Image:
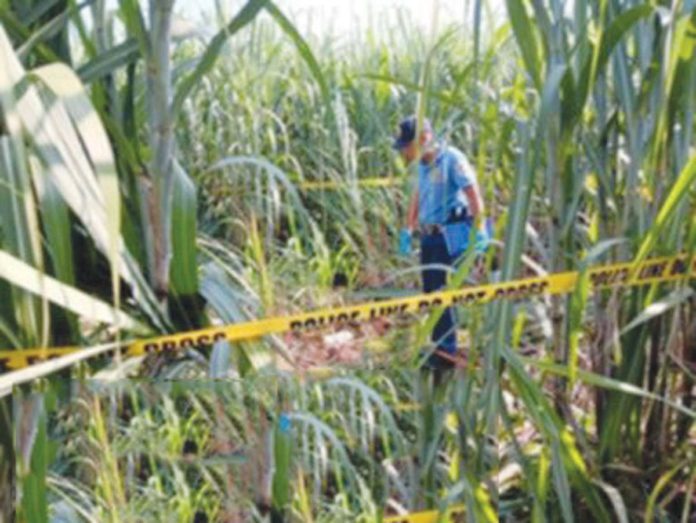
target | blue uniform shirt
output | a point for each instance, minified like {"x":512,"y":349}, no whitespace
{"x":440,"y":185}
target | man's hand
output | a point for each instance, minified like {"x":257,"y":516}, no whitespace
{"x":483,"y":237}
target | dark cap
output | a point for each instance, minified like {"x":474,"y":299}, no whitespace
{"x":406,"y":131}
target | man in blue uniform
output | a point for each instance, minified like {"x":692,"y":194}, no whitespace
{"x":446,"y":192}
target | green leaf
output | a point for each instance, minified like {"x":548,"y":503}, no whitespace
{"x":685,"y":181}
{"x":34,"y":500}
{"x":19,"y":30}
{"x":282,"y":452}
{"x":50,"y":28}
{"x":56,"y":223}
{"x":444,"y":97}
{"x":374,"y":397}
{"x":220,"y":360}
{"x":525,"y":34}
{"x":70,"y":140}
{"x":305,"y":51}
{"x":184,"y":265}
{"x":604,"y":382}
{"x":659,"y":307}
{"x":63,"y":82}
{"x":662,"y":483}
{"x":275,"y":175}
{"x":577,"y":304}
{"x":616,"y":499}
{"x":135,"y":23}
{"x":597,"y":251}
{"x":560,"y":481}
{"x":210,"y":55}
{"x":23,"y":276}
{"x":20,"y":234}
{"x":110,"y":61}
{"x":610,"y":38}
{"x":683,"y":40}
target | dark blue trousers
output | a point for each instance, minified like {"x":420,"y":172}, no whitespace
{"x":434,"y":251}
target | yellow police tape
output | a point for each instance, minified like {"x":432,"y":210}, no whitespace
{"x":365,"y":182}
{"x":431,"y":516}
{"x":616,"y":275}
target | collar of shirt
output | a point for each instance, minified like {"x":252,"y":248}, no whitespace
{"x":440,"y":150}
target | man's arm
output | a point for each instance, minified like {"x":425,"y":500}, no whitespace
{"x":476,"y":207}
{"x":412,"y":215}
{"x":465,"y":179}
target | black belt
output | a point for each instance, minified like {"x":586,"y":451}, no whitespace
{"x":458,"y":215}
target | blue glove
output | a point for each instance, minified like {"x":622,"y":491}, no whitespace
{"x":483,"y":238}
{"x":482,"y":242}
{"x":404,"y":242}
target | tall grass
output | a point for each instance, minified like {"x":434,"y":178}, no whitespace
{"x":362,"y":446}
{"x":614,"y":164}
{"x":7,"y":461}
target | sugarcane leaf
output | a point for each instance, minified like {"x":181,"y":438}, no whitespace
{"x":106,"y":63}
{"x":302,"y":47}
{"x":274,"y":173}
{"x":660,"y":307}
{"x":189,"y":83}
{"x":34,"y":505}
{"x":610,"y":38}
{"x":526,"y":38}
{"x":325,"y":431}
{"x":56,"y":223}
{"x":184,"y":265}
{"x":63,"y":82}
{"x":605,"y":382}
{"x":597,"y":251}
{"x":444,"y":97}
{"x":135,"y":23}
{"x":19,"y":30}
{"x":23,"y":276}
{"x":224,"y":297}
{"x":282,"y":459}
{"x":20,"y":234}
{"x":683,"y":184}
{"x":220,"y":360}
{"x":561,"y":482}
{"x":616,"y":499}
{"x":51,"y":27}
{"x":70,"y":141}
